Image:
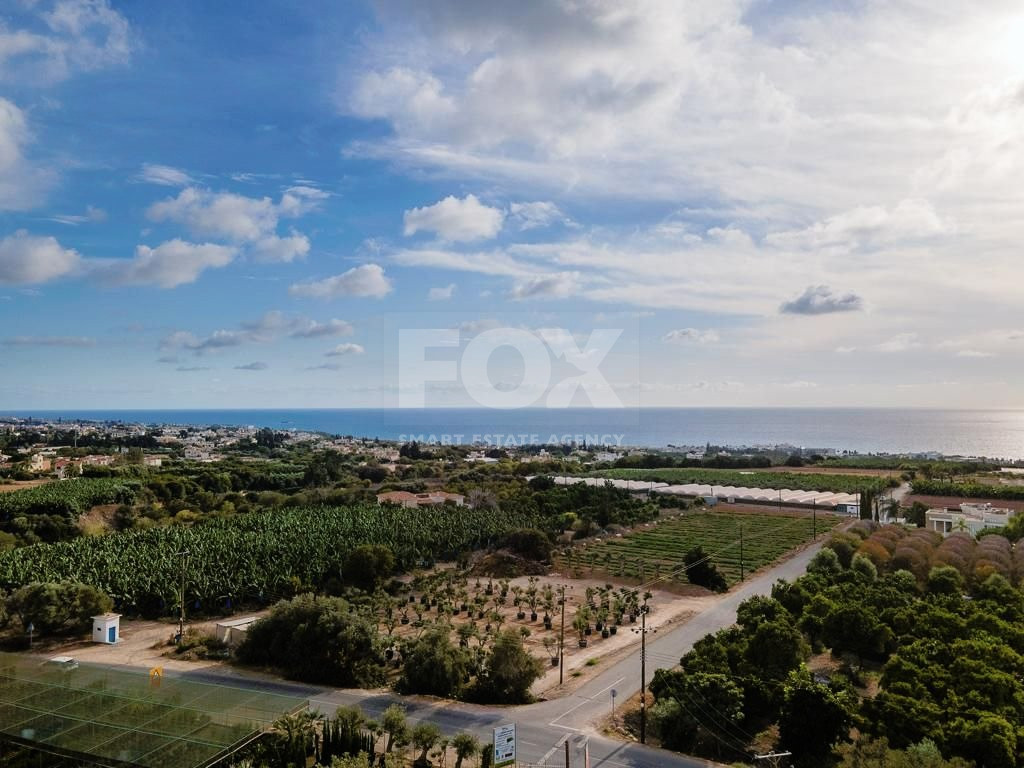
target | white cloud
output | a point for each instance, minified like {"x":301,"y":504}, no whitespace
{"x":257,"y":366}
{"x":441,"y":293}
{"x":73,"y":35}
{"x":537,"y":214}
{"x":401,"y":95}
{"x":220,"y":215}
{"x":28,"y":260}
{"x":343,"y":350}
{"x":691,"y":336}
{"x":247,"y":221}
{"x":280,"y":249}
{"x":366,"y":280}
{"x":455,"y":219}
{"x":169,"y":265}
{"x":164,"y":175}
{"x":300,"y":200}
{"x":21,"y":185}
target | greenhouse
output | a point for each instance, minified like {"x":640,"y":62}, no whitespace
{"x":120,"y":717}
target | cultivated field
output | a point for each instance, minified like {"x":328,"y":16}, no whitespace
{"x":657,"y":549}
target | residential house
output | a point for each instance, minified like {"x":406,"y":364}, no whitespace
{"x":970,"y":518}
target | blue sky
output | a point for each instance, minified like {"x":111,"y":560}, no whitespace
{"x":776,"y":203}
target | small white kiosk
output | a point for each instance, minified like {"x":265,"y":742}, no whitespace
{"x":106,"y":628}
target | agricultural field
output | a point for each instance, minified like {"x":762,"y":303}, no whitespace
{"x":656,"y":550}
{"x":794,"y":481}
{"x":256,"y":557}
{"x":66,"y":498}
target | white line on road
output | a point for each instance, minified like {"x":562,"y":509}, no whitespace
{"x":550,"y":752}
{"x":605,"y":689}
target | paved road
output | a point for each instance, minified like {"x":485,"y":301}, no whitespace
{"x":544,"y":726}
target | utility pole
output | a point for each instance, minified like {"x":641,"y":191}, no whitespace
{"x":643,"y":673}
{"x":561,"y":658}
{"x":814,"y":518}
{"x":181,"y":617}
{"x":566,"y":752}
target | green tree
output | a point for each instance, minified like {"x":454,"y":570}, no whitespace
{"x":318,"y":640}
{"x":698,"y":712}
{"x":945,"y":580}
{"x":61,"y":606}
{"x":814,"y":717}
{"x":510,"y":670}
{"x":702,"y":571}
{"x":368,"y":565}
{"x":465,"y":746}
{"x":424,"y":736}
{"x":394,"y":724}
{"x":434,"y":666}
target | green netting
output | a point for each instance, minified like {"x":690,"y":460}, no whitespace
{"x":120,"y":717}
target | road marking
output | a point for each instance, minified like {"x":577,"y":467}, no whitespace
{"x":606,"y":688}
{"x":571,"y":709}
{"x":550,"y":752}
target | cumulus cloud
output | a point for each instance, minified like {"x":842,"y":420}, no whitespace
{"x":455,"y":219}
{"x":819,"y":300}
{"x":49,"y":341}
{"x":344,"y":350}
{"x":29,"y":260}
{"x":244,"y":221}
{"x":555,"y":286}
{"x":366,"y":280}
{"x":690,"y":336}
{"x":164,"y":175}
{"x":170,"y":264}
{"x":441,"y":293}
{"x":257,"y":366}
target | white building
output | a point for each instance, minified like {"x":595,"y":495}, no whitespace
{"x":971,"y":518}
{"x":106,"y":628}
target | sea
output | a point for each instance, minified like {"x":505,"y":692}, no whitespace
{"x":997,"y":434}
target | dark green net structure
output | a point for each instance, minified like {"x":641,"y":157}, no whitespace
{"x":124,"y":717}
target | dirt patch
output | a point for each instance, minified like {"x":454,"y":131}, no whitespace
{"x":21,"y":485}
{"x":98,"y":519}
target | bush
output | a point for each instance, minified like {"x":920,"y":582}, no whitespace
{"x":317,"y":640}
{"x":509,"y":672}
{"x":55,"y":607}
{"x":434,"y":666}
{"x":530,"y":543}
{"x":702,"y":571}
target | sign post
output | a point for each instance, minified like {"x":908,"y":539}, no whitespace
{"x":504,"y":745}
